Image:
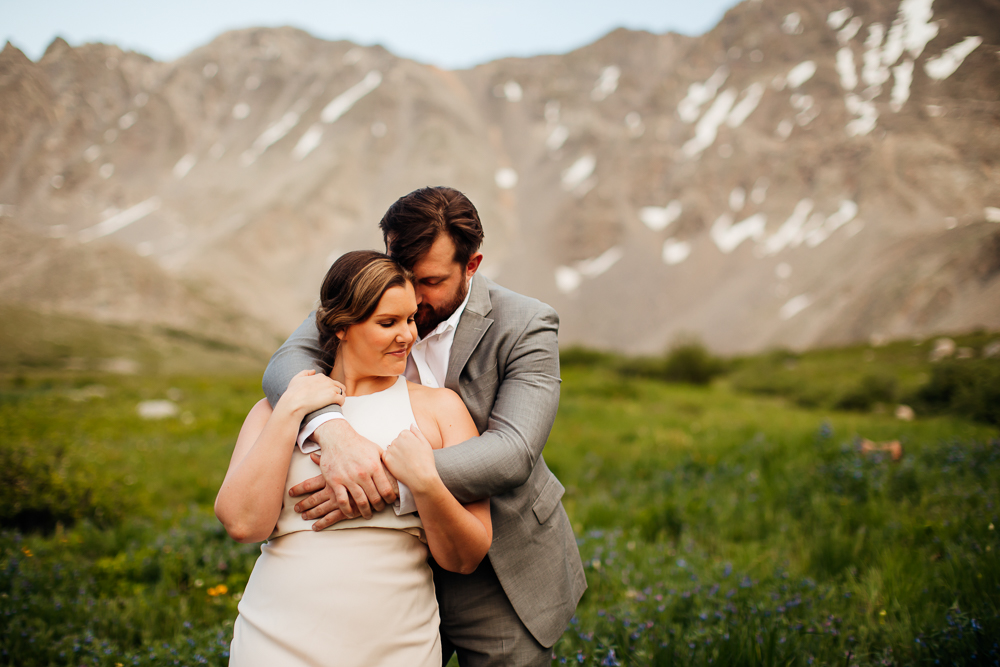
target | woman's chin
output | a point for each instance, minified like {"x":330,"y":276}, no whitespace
{"x":395,"y":367}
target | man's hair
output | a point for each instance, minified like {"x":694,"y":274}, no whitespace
{"x":351,"y":291}
{"x":413,"y":223}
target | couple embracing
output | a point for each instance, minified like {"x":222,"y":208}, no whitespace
{"x":408,"y":416}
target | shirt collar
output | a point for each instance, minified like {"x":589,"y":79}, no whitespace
{"x":453,"y":319}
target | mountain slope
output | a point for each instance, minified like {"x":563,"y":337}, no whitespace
{"x":809,"y":172}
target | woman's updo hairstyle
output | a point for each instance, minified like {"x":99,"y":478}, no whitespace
{"x":351,"y":291}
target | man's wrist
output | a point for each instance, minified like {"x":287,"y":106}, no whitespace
{"x":405,"y":504}
{"x":303,"y":440}
{"x":331,"y":421}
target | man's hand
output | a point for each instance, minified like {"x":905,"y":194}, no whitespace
{"x":353,"y":470}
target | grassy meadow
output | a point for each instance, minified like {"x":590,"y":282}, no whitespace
{"x":732,"y":522}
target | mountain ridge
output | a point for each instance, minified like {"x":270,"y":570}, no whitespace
{"x":777,"y":181}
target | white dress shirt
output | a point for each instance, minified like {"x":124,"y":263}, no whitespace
{"x":427,"y":364}
{"x":428,"y":360}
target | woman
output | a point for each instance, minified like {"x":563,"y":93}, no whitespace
{"x":360,"y":592}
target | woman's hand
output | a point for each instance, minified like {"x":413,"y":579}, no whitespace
{"x":410,"y":459}
{"x":309,"y":391}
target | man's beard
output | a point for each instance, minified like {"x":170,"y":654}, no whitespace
{"x":427,"y":317}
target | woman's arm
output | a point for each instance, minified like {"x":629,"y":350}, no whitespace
{"x":249,"y":502}
{"x":459,"y":536}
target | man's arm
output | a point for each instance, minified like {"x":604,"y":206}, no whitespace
{"x":299,"y":353}
{"x":503,"y":457}
{"x":351,"y":465}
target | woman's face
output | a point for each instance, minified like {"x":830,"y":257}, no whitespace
{"x":379,"y":345}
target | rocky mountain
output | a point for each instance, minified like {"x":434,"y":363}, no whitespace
{"x":809,"y":172}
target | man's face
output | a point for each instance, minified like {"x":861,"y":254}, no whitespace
{"x":442,"y":283}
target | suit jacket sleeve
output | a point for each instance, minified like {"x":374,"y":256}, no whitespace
{"x":299,"y":353}
{"x":502,"y":458}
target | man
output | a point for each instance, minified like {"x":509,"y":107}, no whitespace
{"x":499,"y":351}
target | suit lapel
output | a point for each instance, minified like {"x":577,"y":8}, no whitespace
{"x":471,"y":328}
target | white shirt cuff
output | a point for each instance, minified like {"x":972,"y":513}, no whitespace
{"x":307,"y":430}
{"x":405,"y":503}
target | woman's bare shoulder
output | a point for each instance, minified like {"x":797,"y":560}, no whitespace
{"x":446,"y":409}
{"x":260,"y":411}
{"x":255,"y":421}
{"x":262,"y":406}
{"x":434,"y":399}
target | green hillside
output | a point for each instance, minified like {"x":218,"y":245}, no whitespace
{"x":734,"y":522}
{"x":32,"y":342}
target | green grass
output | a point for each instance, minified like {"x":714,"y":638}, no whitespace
{"x":708,"y":518}
{"x":719,"y":524}
{"x":125,"y":563}
{"x":32,"y":342}
{"x":855,"y":377}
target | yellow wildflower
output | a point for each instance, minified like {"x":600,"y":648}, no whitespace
{"x":221,"y":589}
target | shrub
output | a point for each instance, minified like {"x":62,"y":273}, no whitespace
{"x":980,"y":398}
{"x":39,"y":489}
{"x":870,"y":390}
{"x":691,"y":363}
{"x":769,"y":374}
{"x":583,"y":357}
{"x":643,"y":367}
{"x":969,"y":388}
{"x":688,"y":363}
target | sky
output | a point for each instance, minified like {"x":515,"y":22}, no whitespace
{"x":451,"y":34}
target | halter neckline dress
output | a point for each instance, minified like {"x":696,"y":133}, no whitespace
{"x":358,"y":593}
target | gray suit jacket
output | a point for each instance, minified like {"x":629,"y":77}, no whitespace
{"x":505,"y":365}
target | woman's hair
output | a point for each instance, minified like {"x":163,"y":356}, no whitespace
{"x":351,"y":291}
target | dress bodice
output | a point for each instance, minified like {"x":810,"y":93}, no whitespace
{"x":380,"y":417}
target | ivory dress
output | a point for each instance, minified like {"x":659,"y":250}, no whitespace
{"x":358,"y":593}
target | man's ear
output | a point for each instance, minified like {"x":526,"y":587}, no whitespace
{"x":473,"y":265}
